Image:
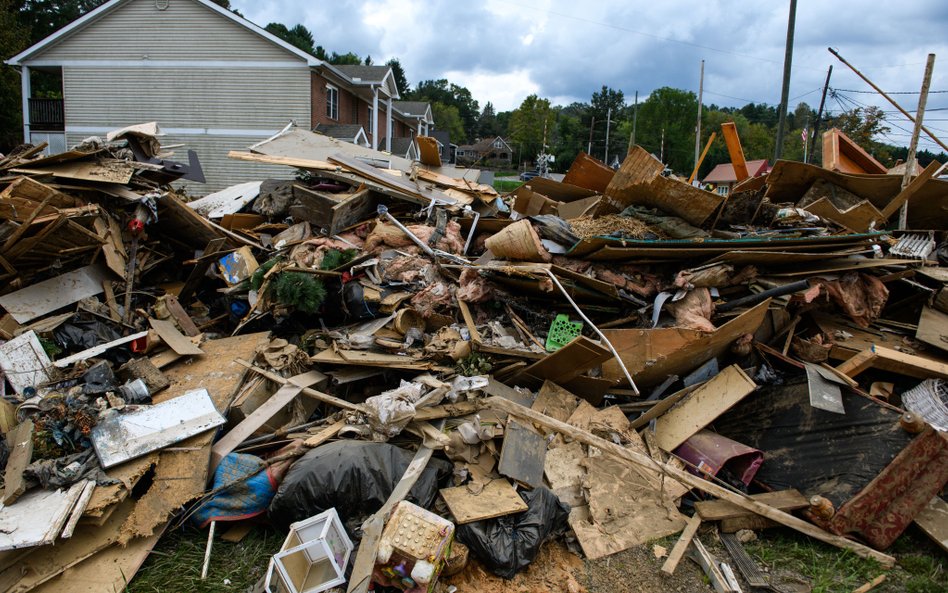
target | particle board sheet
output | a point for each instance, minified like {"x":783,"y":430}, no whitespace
{"x":181,"y":475}
{"x":567,"y":363}
{"x":700,"y":407}
{"x":933,"y":328}
{"x":564,"y":472}
{"x":125,"y":436}
{"x":651,"y":355}
{"x":555,"y":402}
{"x":522,"y":454}
{"x":933,"y":520}
{"x":49,"y":295}
{"x":468,"y":503}
{"x":589,"y":173}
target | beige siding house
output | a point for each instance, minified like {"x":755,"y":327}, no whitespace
{"x":213,"y":81}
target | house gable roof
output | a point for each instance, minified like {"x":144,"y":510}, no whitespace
{"x":486,"y":144}
{"x":415,"y":109}
{"x":370,"y":75}
{"x":105,"y":9}
{"x":350,"y":132}
{"x":724,"y":173}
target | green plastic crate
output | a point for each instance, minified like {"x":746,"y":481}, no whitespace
{"x":562,"y":332}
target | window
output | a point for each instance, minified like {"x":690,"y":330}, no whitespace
{"x":498,"y":143}
{"x":723,"y":190}
{"x":332,"y":102}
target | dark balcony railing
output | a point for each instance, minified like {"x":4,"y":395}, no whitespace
{"x":47,"y":115}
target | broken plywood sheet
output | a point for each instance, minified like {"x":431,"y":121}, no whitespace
{"x":24,"y":362}
{"x":181,"y":475}
{"x":45,"y":297}
{"x":175,"y":340}
{"x":651,"y":355}
{"x":497,"y":499}
{"x":640,"y":182}
{"x":589,"y":173}
{"x":522,"y":454}
{"x":38,"y":517}
{"x":566,"y":364}
{"x":105,"y":498}
{"x":555,"y":402}
{"x":700,"y":407}
{"x":623,"y":510}
{"x":933,"y":328}
{"x":564,"y":472}
{"x":125,"y":436}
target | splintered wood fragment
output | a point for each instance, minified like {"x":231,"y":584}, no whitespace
{"x":325,"y":434}
{"x":871,"y":584}
{"x":689,"y":479}
{"x":323,"y":397}
{"x":893,"y":361}
{"x":679,"y":550}
{"x":180,"y":315}
{"x":933,"y":520}
{"x":175,"y":340}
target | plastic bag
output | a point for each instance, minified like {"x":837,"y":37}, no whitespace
{"x":355,"y":478}
{"x":507,"y":545}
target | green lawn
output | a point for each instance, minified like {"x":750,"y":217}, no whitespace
{"x":507,"y":186}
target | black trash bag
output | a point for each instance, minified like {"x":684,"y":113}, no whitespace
{"x":355,"y":478}
{"x":507,"y":545}
{"x":81,"y":334}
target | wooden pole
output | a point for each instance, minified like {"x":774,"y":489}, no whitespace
{"x":689,"y":479}
{"x":913,"y":145}
{"x":704,"y":153}
{"x":819,"y":113}
{"x":698,"y":125}
{"x":887,"y":98}
{"x":785,"y":92}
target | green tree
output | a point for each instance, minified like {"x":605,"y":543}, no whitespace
{"x":530,"y":124}
{"x":298,"y":36}
{"x":447,"y":117}
{"x":401,"y":81}
{"x":346,"y":59}
{"x":14,"y":37}
{"x":442,"y":91}
{"x":670,"y":114}
{"x":487,"y":124}
{"x":609,"y":109}
{"x":568,"y":140}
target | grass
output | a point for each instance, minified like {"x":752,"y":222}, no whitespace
{"x":920,"y":565}
{"x":506,"y":186}
{"x":175,"y":563}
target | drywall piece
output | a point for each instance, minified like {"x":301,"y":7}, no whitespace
{"x":175,"y":340}
{"x":825,"y":393}
{"x":700,"y":407}
{"x":933,"y":520}
{"x":497,"y":499}
{"x":45,"y":297}
{"x":282,"y":398}
{"x":38,"y":517}
{"x":227,"y":201}
{"x":522,"y":454}
{"x":24,"y":362}
{"x":20,"y":447}
{"x":126,"y":436}
{"x":97,"y":350}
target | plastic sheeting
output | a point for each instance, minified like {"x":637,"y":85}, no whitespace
{"x":355,"y":478}
{"x":507,"y":545}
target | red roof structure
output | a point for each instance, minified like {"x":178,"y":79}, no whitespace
{"x":724,"y":173}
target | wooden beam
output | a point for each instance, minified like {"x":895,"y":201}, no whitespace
{"x":690,"y":480}
{"x":681,"y":545}
{"x":911,"y":189}
{"x":733,"y":141}
{"x":893,"y":361}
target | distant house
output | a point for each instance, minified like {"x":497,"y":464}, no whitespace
{"x":724,"y":179}
{"x":489,"y":151}
{"x":415,"y":115}
{"x":212,"y":80}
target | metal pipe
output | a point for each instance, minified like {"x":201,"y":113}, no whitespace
{"x":763,"y":296}
{"x":383,"y":211}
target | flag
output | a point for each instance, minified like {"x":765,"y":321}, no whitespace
{"x":803,"y":135}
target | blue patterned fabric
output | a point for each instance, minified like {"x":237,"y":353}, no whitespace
{"x":244,"y":498}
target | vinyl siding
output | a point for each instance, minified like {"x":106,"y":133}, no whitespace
{"x":245,"y":99}
{"x":186,"y":30}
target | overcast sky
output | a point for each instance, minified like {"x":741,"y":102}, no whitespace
{"x":563,"y":50}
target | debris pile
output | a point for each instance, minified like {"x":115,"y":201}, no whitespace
{"x":392,"y":355}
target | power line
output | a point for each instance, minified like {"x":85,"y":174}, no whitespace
{"x":865,"y":92}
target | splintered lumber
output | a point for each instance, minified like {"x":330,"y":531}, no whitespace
{"x":690,"y":480}
{"x":20,"y":445}
{"x":681,"y":545}
{"x":893,"y":361}
{"x":170,"y":335}
{"x":711,"y":568}
{"x":319,"y":395}
{"x":719,"y":510}
{"x":497,"y":499}
{"x":733,"y":142}
{"x":282,"y":398}
{"x":911,"y":189}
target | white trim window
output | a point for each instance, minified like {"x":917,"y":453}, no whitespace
{"x":332,"y":102}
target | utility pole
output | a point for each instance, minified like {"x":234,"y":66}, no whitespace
{"x":698,"y":126}
{"x":635,"y":117}
{"x":806,"y":140}
{"x":661,"y":148}
{"x":785,"y":93}
{"x":589,"y":148}
{"x":605,"y":157}
{"x":819,"y":114}
{"x":913,"y":145}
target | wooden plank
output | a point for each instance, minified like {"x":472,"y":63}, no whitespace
{"x":249,"y":425}
{"x":170,"y":335}
{"x":733,"y":142}
{"x":893,"y":361}
{"x":567,"y":363}
{"x":390,"y":181}
{"x":840,"y":153}
{"x":105,"y":172}
{"x":428,"y":151}
{"x":700,"y":407}
{"x":933,"y":520}
{"x":323,"y":397}
{"x":522,"y":454}
{"x":97,"y":350}
{"x":79,"y":509}
{"x":110,"y":233}
{"x":497,"y":499}
{"x":671,"y":563}
{"x":282,"y":160}
{"x":683,"y":476}
{"x":45,"y":297}
{"x":181,"y":316}
{"x":719,"y":510}
{"x":711,"y":568}
{"x":325,"y":434}
{"x":20,"y":445}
